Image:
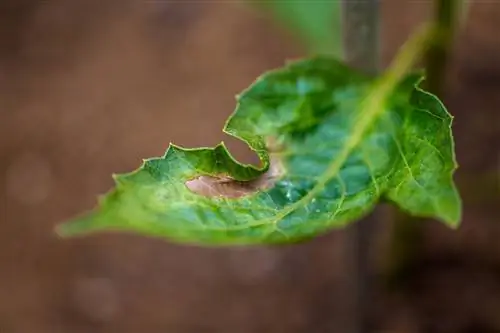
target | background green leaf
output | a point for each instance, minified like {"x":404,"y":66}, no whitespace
{"x":332,"y":144}
{"x":317,"y":22}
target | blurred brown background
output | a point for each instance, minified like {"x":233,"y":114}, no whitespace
{"x":89,"y":87}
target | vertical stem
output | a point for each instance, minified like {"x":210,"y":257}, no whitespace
{"x":408,"y":233}
{"x":361,"y":40}
{"x":361,"y":34}
{"x":446,"y":15}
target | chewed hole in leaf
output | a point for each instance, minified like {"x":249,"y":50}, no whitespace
{"x":357,"y":141}
{"x":225,"y":186}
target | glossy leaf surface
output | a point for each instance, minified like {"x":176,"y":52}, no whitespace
{"x":328,"y":154}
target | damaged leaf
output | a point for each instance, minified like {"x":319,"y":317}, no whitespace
{"x":332,"y":143}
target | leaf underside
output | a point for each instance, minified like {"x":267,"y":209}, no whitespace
{"x":326,"y":160}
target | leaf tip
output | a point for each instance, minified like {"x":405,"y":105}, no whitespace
{"x":172,"y":150}
{"x":454,"y":220}
{"x":221,"y":145}
{"x":117,"y":178}
{"x":454,"y":224}
{"x":453,"y":215}
{"x":79,"y":226}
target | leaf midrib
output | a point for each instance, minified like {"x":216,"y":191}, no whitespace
{"x":371,"y":108}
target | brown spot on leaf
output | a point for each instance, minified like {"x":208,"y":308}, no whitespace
{"x":225,"y":186}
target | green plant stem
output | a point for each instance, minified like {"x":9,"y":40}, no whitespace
{"x":447,"y":16}
{"x":362,"y":49}
{"x":408,"y":231}
{"x":361,"y":36}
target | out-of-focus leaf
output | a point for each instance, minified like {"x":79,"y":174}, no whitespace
{"x":317,"y":22}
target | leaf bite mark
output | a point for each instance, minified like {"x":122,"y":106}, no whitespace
{"x":227,"y":187}
{"x":236,"y":204}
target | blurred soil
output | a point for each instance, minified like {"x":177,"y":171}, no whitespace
{"x":89,"y":87}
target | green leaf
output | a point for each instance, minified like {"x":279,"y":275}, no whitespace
{"x":317,"y":22}
{"x":332,"y":142}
